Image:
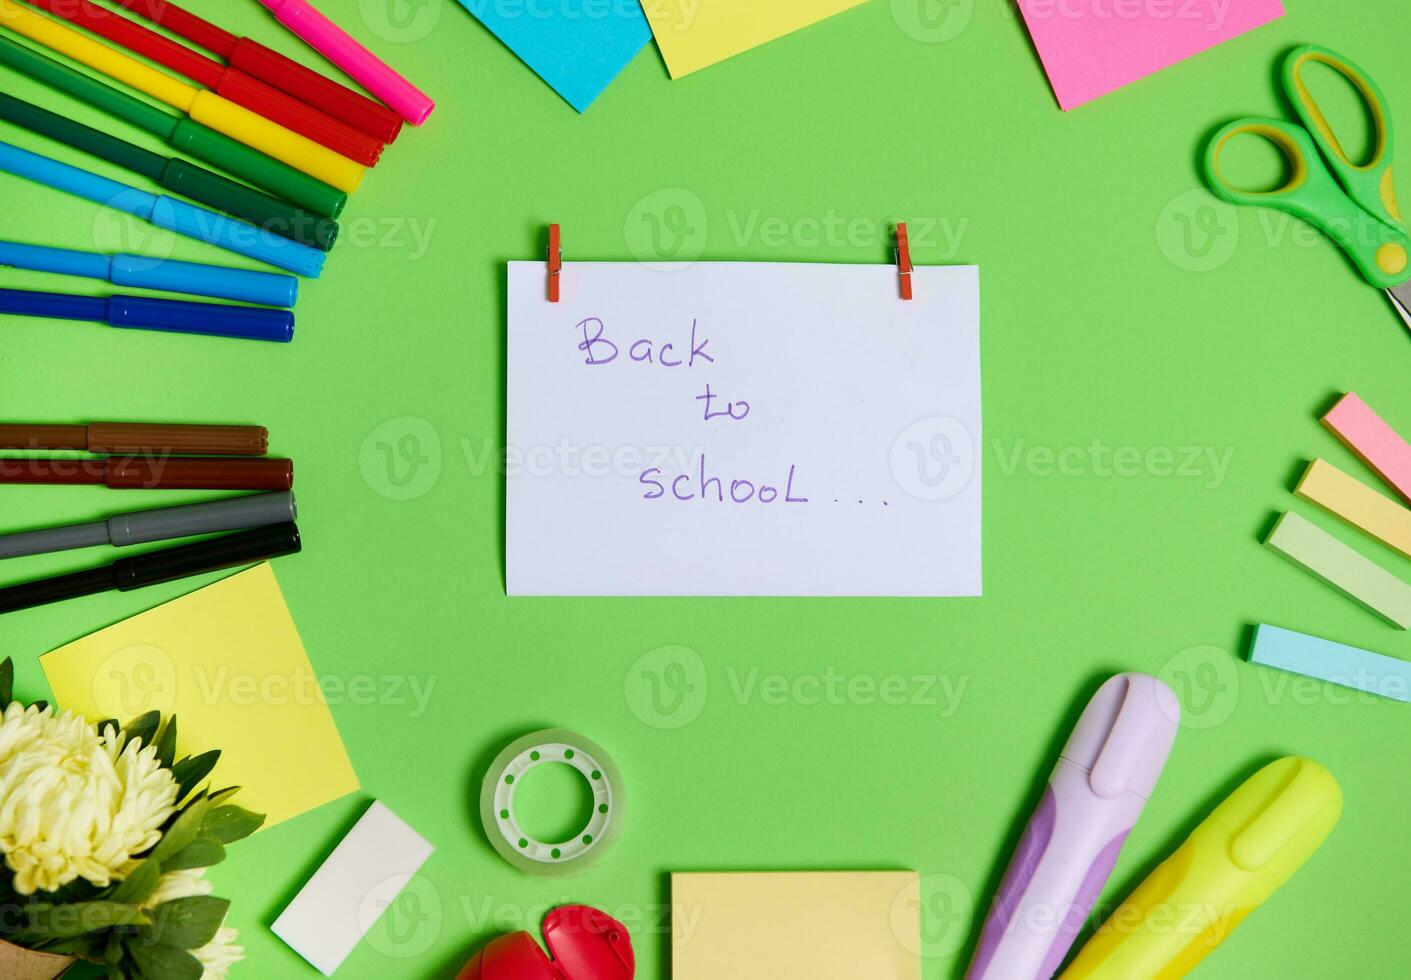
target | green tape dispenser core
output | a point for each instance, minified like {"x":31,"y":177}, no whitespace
{"x":585,"y":848}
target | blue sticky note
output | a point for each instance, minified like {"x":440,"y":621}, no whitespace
{"x":578,"y":48}
{"x":1335,"y":663}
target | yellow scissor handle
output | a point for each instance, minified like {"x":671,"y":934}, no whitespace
{"x":1370,"y":184}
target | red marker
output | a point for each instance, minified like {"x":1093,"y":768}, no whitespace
{"x":273,"y":68}
{"x":151,"y":472}
{"x":230,"y":83}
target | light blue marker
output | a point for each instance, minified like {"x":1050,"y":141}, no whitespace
{"x":192,"y":278}
{"x":165,"y":212}
{"x":1335,"y":663}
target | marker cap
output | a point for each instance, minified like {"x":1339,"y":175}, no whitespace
{"x":241,"y":285}
{"x":208,"y":319}
{"x":188,"y":473}
{"x":1125,"y":735}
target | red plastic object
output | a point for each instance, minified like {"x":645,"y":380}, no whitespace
{"x":229,"y":83}
{"x":586,"y":945}
{"x":904,"y":266}
{"x":254,"y":59}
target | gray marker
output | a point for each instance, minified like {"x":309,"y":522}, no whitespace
{"x":235,"y":514}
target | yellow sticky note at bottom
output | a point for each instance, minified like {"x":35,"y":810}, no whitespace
{"x":228,"y":662}
{"x":819,"y":925}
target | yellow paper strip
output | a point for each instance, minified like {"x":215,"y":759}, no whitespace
{"x":1352,"y":500}
{"x":696,"y":35}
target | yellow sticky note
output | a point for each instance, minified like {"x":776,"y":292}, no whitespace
{"x":228,"y":662}
{"x":695,"y":35}
{"x":819,"y":925}
{"x":1352,"y":500}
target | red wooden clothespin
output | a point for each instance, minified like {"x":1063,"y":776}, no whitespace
{"x":903,"y":254}
{"x":555,"y":263}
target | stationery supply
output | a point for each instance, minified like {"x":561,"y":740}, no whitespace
{"x":1248,"y":847}
{"x":199,"y":657}
{"x":151,"y":472}
{"x":1328,"y":559}
{"x":156,"y":567}
{"x":1091,"y":47}
{"x":1335,"y":663}
{"x":819,"y":925}
{"x":1373,"y":441}
{"x":586,"y":945}
{"x":229,"y":83}
{"x":347,"y":894}
{"x":201,"y":105}
{"x":695,"y":36}
{"x":339,"y":47}
{"x":743,"y":429}
{"x":1357,"y":504}
{"x":165,"y":212}
{"x":183,"y":134}
{"x":162,"y":524}
{"x":193,"y":278}
{"x":273,"y":68}
{"x":177,"y":175}
{"x":1103,"y":780}
{"x":506,"y":774}
{"x":577,"y":56}
{"x":145,"y":438}
{"x":1354,"y":204}
{"x":170,"y":315}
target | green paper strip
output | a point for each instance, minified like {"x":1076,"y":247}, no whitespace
{"x":1326,"y":558}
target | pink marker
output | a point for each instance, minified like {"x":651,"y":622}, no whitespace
{"x":1098,"y":790}
{"x":1375,"y":443}
{"x":334,"y":43}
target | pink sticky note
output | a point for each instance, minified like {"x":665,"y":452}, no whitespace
{"x":1375,"y":443}
{"x":1092,"y":47}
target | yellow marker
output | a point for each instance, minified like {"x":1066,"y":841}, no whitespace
{"x":202,"y":106}
{"x":1352,"y":500}
{"x":1230,"y":865}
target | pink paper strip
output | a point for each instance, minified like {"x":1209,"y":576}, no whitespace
{"x":1375,"y":443}
{"x":1091,"y":47}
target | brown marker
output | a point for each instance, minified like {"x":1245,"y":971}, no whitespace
{"x":117,"y":438}
{"x":152,"y":472}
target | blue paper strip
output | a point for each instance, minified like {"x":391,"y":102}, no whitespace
{"x":1335,"y":663}
{"x":577,"y":46}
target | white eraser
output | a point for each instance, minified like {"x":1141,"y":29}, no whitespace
{"x":363,"y":875}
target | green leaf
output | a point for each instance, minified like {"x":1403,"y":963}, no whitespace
{"x":138,"y":885}
{"x":200,"y":853}
{"x":66,"y":921}
{"x":181,"y":833}
{"x":166,"y":743}
{"x":164,"y":962}
{"x":189,"y":772}
{"x":229,"y":824}
{"x":223,"y":795}
{"x":186,"y":923}
{"x":142,"y":727}
{"x":7,"y":682}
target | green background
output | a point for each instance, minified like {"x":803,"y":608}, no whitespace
{"x":1122,"y":308}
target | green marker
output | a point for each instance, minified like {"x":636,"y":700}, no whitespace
{"x":178,"y":175}
{"x":181,"y":133}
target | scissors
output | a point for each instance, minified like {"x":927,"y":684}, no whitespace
{"x":1353,"y":204}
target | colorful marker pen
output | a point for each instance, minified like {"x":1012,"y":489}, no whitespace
{"x":1097,"y":792}
{"x":165,"y":212}
{"x":1230,"y":865}
{"x":194,"y":278}
{"x":335,"y":44}
{"x":154,"y":472}
{"x":167,"y":315}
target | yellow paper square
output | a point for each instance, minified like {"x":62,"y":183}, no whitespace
{"x":819,"y":925}
{"x":228,"y":662}
{"x":694,"y":34}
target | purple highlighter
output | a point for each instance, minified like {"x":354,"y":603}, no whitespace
{"x":1103,"y":779}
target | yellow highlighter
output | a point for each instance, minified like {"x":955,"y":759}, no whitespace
{"x":1230,"y":865}
{"x":203,"y":106}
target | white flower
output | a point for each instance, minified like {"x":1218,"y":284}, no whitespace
{"x":220,"y":954}
{"x":178,"y":884}
{"x":71,"y":804}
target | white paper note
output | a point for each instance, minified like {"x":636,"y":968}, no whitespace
{"x":743,"y":429}
{"x":350,"y":891}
